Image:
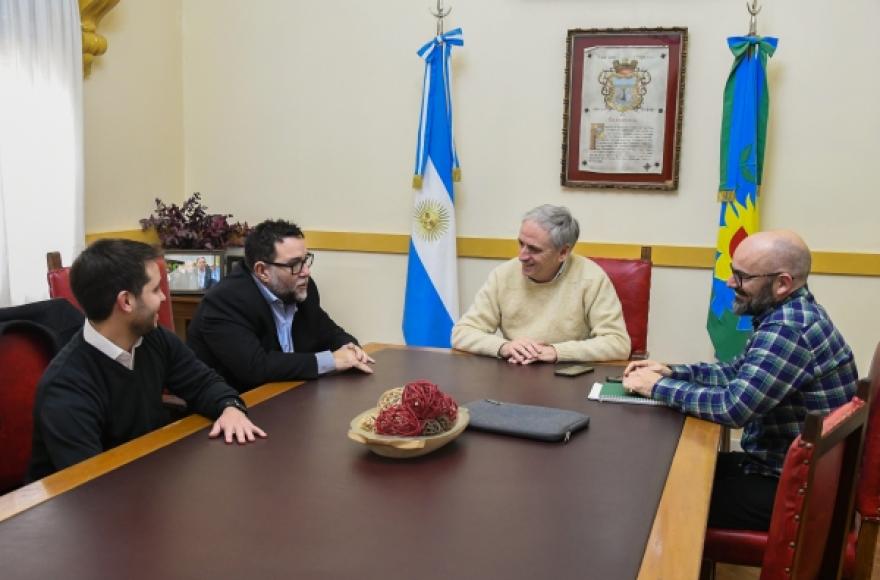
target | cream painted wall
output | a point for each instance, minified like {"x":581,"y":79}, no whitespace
{"x":133,"y":104}
{"x":307,"y":110}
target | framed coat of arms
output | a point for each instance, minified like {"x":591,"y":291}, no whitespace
{"x":622,"y":109}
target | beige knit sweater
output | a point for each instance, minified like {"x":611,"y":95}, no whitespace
{"x":577,"y":312}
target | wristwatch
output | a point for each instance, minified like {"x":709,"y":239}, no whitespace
{"x":233,"y":402}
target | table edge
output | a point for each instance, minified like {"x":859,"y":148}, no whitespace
{"x":669,"y":552}
{"x":37,"y":492}
{"x":62,"y":481}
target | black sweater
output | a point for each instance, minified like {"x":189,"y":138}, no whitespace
{"x":87,"y":403}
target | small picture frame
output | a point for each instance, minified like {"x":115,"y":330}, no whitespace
{"x":234,"y":258}
{"x":194,"y":271}
{"x":622,"y":108}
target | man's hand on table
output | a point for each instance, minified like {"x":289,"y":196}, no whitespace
{"x":525,"y":351}
{"x":648,"y":365}
{"x":352,"y":356}
{"x":641,"y":381}
{"x":640,"y":376}
{"x":234,"y":424}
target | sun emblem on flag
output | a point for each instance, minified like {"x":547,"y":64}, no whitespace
{"x":432,"y":220}
{"x":740,"y":221}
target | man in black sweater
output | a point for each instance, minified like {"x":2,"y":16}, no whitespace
{"x":105,"y":386}
{"x":265,"y":323}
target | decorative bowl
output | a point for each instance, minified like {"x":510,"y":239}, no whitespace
{"x":399,"y":447}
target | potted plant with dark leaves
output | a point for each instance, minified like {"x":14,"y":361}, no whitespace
{"x":192,"y":227}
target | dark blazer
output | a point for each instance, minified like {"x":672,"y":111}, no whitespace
{"x":209,"y":278}
{"x":61,"y":319}
{"x":233,"y":331}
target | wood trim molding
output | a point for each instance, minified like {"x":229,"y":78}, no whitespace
{"x":93,"y":44}
{"x":663,"y":256}
{"x":148,"y":237}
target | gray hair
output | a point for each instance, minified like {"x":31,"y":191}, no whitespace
{"x":557,"y":221}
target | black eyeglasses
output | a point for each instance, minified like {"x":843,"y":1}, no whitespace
{"x":297,"y":265}
{"x":739,"y":276}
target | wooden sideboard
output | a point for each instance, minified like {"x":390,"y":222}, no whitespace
{"x":183,"y":308}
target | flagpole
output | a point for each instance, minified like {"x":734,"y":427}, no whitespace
{"x":440,"y":14}
{"x":753,"y":16}
{"x":753,"y":23}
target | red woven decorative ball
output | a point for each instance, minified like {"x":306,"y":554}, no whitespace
{"x":423,"y":409}
{"x":398,"y":420}
{"x":421,"y":397}
{"x":447,"y":407}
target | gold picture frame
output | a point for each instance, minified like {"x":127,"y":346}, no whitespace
{"x":622,"y":107}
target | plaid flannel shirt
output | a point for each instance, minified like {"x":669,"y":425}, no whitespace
{"x":796,"y":361}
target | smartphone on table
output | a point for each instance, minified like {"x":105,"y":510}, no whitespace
{"x":572,"y":370}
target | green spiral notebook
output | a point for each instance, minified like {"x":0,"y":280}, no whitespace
{"x":613,"y":392}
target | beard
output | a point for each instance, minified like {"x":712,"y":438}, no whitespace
{"x":758,"y":304}
{"x":145,"y":322}
{"x":287,"y":294}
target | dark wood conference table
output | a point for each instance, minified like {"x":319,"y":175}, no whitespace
{"x":626,"y":498}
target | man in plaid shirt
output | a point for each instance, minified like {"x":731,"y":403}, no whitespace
{"x":795,"y":362}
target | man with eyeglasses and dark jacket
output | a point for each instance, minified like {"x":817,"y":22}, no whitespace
{"x":264,"y":322}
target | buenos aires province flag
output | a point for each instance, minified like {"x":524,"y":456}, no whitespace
{"x":431,"y":301}
{"x":743,"y":137}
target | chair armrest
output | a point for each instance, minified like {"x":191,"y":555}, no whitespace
{"x":175,"y":406}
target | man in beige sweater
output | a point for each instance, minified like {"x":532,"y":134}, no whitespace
{"x":549,"y":304}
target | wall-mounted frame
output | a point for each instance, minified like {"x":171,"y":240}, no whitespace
{"x":622,"y":110}
{"x":193,"y":271}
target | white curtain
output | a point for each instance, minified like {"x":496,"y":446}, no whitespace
{"x":41,"y":142}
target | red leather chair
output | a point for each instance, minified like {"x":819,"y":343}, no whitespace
{"x":25,"y":351}
{"x":58,"y":277}
{"x":632,"y":281}
{"x":813,"y":506}
{"x":859,"y":562}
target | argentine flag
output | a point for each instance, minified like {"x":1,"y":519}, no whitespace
{"x":431,"y":302}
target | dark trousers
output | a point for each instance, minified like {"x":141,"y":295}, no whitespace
{"x":740,"y":501}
